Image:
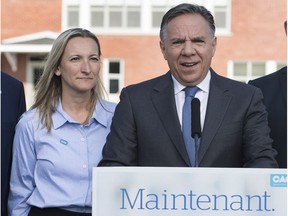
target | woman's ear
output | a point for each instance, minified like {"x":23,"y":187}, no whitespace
{"x":58,"y":72}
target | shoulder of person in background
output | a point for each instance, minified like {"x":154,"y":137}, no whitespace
{"x":12,"y":97}
{"x":13,"y":105}
{"x":279,"y":73}
{"x":272,"y":84}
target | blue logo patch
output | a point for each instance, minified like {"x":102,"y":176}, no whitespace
{"x":278,"y":180}
{"x":64,"y":142}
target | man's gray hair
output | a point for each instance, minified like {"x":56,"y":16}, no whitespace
{"x":186,"y":8}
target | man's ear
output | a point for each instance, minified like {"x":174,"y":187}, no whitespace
{"x":162,"y":47}
{"x":214,"y":44}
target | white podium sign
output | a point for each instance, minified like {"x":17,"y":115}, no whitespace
{"x":165,"y":191}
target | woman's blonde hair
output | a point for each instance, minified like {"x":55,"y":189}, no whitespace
{"x":48,"y":90}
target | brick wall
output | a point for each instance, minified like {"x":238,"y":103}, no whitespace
{"x":257,"y":34}
{"x":20,"y":17}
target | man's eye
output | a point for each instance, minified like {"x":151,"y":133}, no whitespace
{"x":199,"y":41}
{"x":176,"y":42}
{"x":95,"y":59}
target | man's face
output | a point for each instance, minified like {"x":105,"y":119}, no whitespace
{"x":188,"y":47}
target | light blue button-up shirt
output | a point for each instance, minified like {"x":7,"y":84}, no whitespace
{"x":55,"y":169}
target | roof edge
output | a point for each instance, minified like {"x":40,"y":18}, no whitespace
{"x":30,"y":37}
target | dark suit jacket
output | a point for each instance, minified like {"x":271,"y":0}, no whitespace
{"x":12,"y":106}
{"x":274,"y":88}
{"x":146,"y":131}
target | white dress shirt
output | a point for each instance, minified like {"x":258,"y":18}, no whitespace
{"x":202,"y":95}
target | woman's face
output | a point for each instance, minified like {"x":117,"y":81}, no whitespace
{"x":80,"y":66}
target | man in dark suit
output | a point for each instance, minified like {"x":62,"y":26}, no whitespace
{"x":12,"y":106}
{"x":274,"y":88}
{"x":146,"y":128}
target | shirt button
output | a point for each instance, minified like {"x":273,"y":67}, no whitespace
{"x":84,"y":166}
{"x":82,"y":139}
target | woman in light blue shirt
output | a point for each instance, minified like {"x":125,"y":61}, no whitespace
{"x":60,"y":139}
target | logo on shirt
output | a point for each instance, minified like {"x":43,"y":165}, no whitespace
{"x":64,"y":142}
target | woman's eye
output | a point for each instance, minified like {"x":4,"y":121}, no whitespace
{"x":75,"y":59}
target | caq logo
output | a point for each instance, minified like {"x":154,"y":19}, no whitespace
{"x":278,"y":180}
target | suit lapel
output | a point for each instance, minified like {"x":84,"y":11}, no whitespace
{"x":218,"y":102}
{"x":283,"y":84}
{"x":164,"y":102}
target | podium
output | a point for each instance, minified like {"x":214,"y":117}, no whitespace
{"x":167,"y":191}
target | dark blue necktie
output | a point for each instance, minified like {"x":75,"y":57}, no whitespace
{"x":186,"y":123}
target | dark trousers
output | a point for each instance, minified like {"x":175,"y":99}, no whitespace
{"x":54,"y":212}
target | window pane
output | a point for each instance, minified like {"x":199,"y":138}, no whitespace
{"x":114,"y":67}
{"x":157,"y":14}
{"x":73,"y":16}
{"x":113,"y":86}
{"x":281,"y":65}
{"x":115,"y":16}
{"x":97,"y":17}
{"x":133,"y":19}
{"x":258,"y":69}
{"x":37,"y":74}
{"x":240,"y":69}
{"x":220,"y":18}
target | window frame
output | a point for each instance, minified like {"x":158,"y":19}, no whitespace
{"x":270,"y":67}
{"x":145,"y":15}
{"x":107,"y":76}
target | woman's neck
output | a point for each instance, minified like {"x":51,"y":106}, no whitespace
{"x":77,"y":107}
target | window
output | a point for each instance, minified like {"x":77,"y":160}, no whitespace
{"x":220,"y":16}
{"x":240,"y":69}
{"x":115,"y":16}
{"x":157,"y":14}
{"x":245,"y":71}
{"x":97,"y":16}
{"x":248,"y":70}
{"x":73,"y":16}
{"x":113,"y":86}
{"x":134,"y":16}
{"x":37,"y":63}
{"x":34,"y":71}
{"x":114,"y":67}
{"x":281,"y":65}
{"x":221,"y":11}
{"x":113,"y":77}
{"x":37,"y":72}
{"x":258,"y":69}
{"x":114,"y":72}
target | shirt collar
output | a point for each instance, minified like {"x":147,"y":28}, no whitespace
{"x":60,"y":117}
{"x":100,"y":114}
{"x":203,"y":85}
